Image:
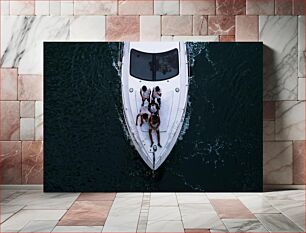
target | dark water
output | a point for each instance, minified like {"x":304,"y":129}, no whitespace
{"x":86,"y":144}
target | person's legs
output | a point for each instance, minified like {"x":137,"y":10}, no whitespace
{"x":151,"y":137}
{"x":158,"y":138}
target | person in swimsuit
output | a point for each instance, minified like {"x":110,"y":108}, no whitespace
{"x":154,"y":108}
{"x":154,"y":125}
{"x":156,"y":94}
{"x":143,"y":114}
{"x":145,"y":94}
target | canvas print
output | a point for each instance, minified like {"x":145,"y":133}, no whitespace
{"x":144,"y":116}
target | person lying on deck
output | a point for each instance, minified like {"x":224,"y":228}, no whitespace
{"x":144,"y":115}
{"x":154,"y":125}
{"x":145,"y":94}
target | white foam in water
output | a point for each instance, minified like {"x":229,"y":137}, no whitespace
{"x":115,"y":55}
{"x":185,"y":126}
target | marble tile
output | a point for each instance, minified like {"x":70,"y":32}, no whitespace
{"x":32,"y":162}
{"x":167,"y":7}
{"x":36,"y":199}
{"x":22,"y":7}
{"x":74,"y":229}
{"x":221,"y":25}
{"x":163,"y":199}
{"x":95,"y":7}
{"x":257,"y":205}
{"x":286,"y":204}
{"x":165,"y":213}
{"x":86,"y":213}
{"x":27,"y":109}
{"x":269,"y":130}
{"x":27,"y":129}
{"x":9,"y":195}
{"x":135,"y":7}
{"x":247,"y":28}
{"x":301,"y":88}
{"x":277,"y":223}
{"x":5,"y":194}
{"x":298,"y":7}
{"x":123,"y":217}
{"x":97,"y":197}
{"x":9,"y":120}
{"x":279,"y":35}
{"x":130,"y":195}
{"x":220,"y":195}
{"x":189,"y":208}
{"x":17,"y":41}
{"x":231,"y":209}
{"x":301,"y":64}
{"x":294,"y":210}
{"x":200,"y":25}
{"x":39,"y":226}
{"x":10,"y":161}
{"x":248,"y":194}
{"x":269,"y":110}
{"x":195,"y":38}
{"x":20,"y":219}
{"x":205,"y":217}
{"x":283,"y":7}
{"x":30,"y":87}
{"x":260,"y":7}
{"x":39,"y":120}
{"x":227,"y":38}
{"x":238,"y":225}
{"x":9,"y":210}
{"x":5,"y":7}
{"x":230,"y":7}
{"x":67,"y":7}
{"x":294,"y":195}
{"x":165,"y":226}
{"x":190,"y":198}
{"x":290,"y":120}
{"x":8,"y":87}
{"x":42,"y":7}
{"x":55,"y":8}
{"x":299,"y":162}
{"x":297,"y":216}
{"x":203,"y":7}
{"x":121,"y":28}
{"x":301,"y":47}
{"x":177,"y":25}
{"x":150,"y":28}
{"x":87,"y":28}
{"x":277,"y":160}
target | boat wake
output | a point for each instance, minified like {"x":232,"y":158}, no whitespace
{"x":116,"y":55}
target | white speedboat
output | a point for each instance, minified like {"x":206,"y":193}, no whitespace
{"x":155,"y":64}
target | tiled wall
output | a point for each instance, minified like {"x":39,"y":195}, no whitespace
{"x":278,"y":23}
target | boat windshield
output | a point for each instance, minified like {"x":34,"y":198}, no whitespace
{"x":154,"y":66}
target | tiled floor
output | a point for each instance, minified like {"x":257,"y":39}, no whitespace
{"x":35,"y":211}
